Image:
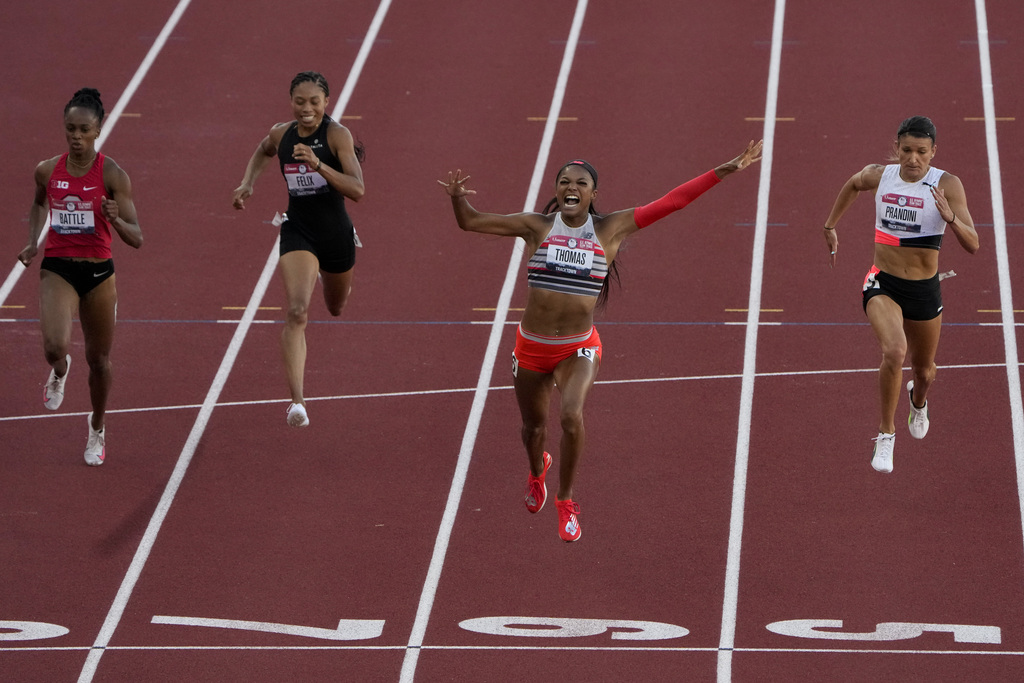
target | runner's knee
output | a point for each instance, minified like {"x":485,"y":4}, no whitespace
{"x":532,"y":431}
{"x":894,"y":353}
{"x":298,"y":315}
{"x":99,"y":362}
{"x":54,"y":350}
{"x":335,"y":305}
{"x":572,"y":421}
{"x":925,"y":373}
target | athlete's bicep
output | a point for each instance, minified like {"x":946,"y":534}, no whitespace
{"x":42,"y":177}
{"x":119,"y":185}
{"x":269,"y":144}
{"x":956,"y":197}
{"x":616,"y":226}
{"x":952,"y":188}
{"x":529,"y":226}
{"x":44,"y":169}
{"x":343,"y":147}
{"x":867,"y":178}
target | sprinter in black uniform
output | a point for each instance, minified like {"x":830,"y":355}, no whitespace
{"x":320,"y":163}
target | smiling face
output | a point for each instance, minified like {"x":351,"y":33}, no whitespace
{"x":81,"y":128}
{"x":915,"y":156}
{"x":308,"y":104}
{"x":575,"y":192}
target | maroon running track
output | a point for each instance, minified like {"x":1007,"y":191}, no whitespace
{"x":271,"y":526}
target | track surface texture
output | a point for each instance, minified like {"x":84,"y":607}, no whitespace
{"x":733,"y":527}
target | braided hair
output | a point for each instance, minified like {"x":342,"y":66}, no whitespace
{"x":87,"y":98}
{"x":314,"y":77}
{"x":317,"y":79}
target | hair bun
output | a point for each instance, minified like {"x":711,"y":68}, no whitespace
{"x":88,"y":98}
{"x":88,"y":92}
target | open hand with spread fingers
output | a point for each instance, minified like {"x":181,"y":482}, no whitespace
{"x":747,"y":157}
{"x":456,"y":185}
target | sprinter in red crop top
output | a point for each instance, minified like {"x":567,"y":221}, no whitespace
{"x":87,"y":197}
{"x":914,"y":203}
{"x":570,"y":251}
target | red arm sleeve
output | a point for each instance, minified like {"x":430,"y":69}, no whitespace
{"x":675,"y":200}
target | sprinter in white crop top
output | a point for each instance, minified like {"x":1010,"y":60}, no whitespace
{"x":914,"y":203}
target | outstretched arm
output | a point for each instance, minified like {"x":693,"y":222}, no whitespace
{"x":688,"y":191}
{"x":748,"y":156}
{"x":525,"y":225}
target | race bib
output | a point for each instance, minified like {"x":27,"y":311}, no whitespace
{"x":570,"y":255}
{"x":901,"y":213}
{"x":303,"y":180}
{"x":72,"y":218}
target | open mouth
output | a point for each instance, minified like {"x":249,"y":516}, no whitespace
{"x":571,"y":200}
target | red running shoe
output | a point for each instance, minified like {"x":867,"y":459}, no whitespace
{"x":536,"y":490}
{"x":568,"y":524}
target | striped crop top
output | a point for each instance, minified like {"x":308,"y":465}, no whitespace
{"x":570,"y":260}
{"x":905,"y":213}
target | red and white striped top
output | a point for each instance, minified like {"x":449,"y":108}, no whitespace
{"x":570,"y":260}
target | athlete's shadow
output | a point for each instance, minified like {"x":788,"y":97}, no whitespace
{"x":131,"y":527}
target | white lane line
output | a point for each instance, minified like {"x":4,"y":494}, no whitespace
{"x":108,"y":127}
{"x":1002,"y":255}
{"x":191,"y":443}
{"x":444,"y":533}
{"x":467,"y":390}
{"x":730,"y":599}
{"x":505,"y":648}
{"x":360,"y":61}
{"x":199,"y":427}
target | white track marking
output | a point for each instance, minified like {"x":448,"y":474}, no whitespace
{"x":1002,"y":256}
{"x":730,"y":599}
{"x":506,"y":648}
{"x":198,"y":428}
{"x":429,"y":591}
{"x":124,"y":593}
{"x":467,"y":390}
{"x":347,"y":629}
{"x":357,"y":65}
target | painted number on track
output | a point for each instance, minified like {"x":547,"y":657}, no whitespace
{"x":553,"y":627}
{"x":348,"y":629}
{"x":889,"y":630}
{"x":30,"y":630}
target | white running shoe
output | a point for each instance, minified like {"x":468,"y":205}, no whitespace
{"x":53,"y":392}
{"x":96,"y":447}
{"x":882,"y":458}
{"x":917,"y":421}
{"x":297,"y":415}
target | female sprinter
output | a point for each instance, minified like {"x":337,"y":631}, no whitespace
{"x":914,"y":202}
{"x":320,"y":164}
{"x":557,"y":344}
{"x":85,"y":194}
